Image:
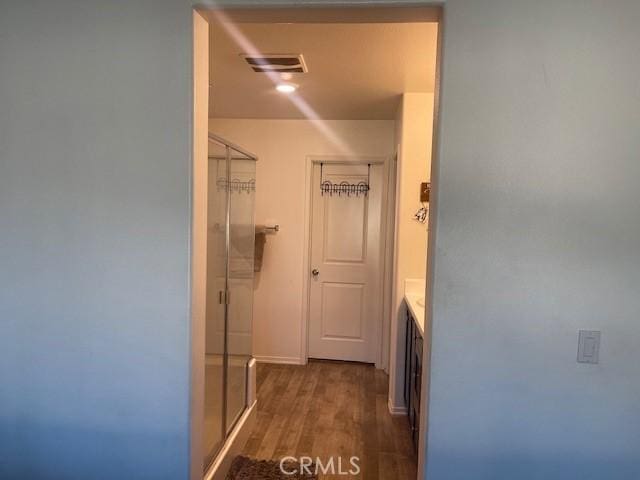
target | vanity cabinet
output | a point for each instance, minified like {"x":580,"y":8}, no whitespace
{"x":413,"y":376}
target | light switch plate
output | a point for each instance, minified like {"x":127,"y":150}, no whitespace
{"x":588,"y":346}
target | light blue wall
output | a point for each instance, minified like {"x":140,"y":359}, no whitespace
{"x":94,"y":239}
{"x":538,"y":236}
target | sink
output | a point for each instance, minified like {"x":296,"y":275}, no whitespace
{"x":420,"y":302}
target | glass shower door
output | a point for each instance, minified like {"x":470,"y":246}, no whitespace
{"x":230,"y":259}
{"x":242,"y":174}
{"x":214,"y":428}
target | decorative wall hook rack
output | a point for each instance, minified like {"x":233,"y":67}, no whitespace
{"x":237,"y":186}
{"x":345,"y":188}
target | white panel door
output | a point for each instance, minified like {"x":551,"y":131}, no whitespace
{"x":345,"y":293}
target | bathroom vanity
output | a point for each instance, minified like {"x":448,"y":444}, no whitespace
{"x":414,"y":300}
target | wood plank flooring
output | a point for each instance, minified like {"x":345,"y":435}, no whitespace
{"x":331,"y":409}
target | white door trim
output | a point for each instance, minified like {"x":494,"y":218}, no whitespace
{"x":311,"y":160}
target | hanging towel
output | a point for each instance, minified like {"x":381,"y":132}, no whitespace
{"x":261,"y":239}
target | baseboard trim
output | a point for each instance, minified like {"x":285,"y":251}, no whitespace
{"x":396,"y":410}
{"x":234,"y":445}
{"x":280,"y":360}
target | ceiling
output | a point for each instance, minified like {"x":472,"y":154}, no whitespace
{"x":356,"y":70}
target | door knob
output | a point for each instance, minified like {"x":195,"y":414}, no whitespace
{"x":315,"y":272}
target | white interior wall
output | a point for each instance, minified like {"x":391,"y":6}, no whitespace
{"x":199,"y":239}
{"x":282,"y":147}
{"x":413,"y":136}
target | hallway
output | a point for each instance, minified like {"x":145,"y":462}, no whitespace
{"x":331,"y":409}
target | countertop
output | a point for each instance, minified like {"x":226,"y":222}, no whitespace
{"x":414,"y":290}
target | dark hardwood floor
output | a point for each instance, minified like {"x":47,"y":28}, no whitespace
{"x":331,"y":409}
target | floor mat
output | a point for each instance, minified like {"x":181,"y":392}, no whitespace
{"x":245,"y":468}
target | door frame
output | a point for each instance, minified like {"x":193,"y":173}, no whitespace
{"x":379,"y":334}
{"x":351,"y":11}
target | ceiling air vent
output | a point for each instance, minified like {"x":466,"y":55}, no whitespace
{"x":277,"y":63}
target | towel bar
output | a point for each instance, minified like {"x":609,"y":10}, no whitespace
{"x":268,"y":229}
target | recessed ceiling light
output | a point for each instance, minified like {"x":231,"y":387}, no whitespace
{"x":286,"y":87}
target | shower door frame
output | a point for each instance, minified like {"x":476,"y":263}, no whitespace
{"x":209,"y":458}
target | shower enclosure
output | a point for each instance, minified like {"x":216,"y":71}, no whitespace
{"x":230,"y":258}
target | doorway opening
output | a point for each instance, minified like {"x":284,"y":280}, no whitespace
{"x":338,"y":104}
